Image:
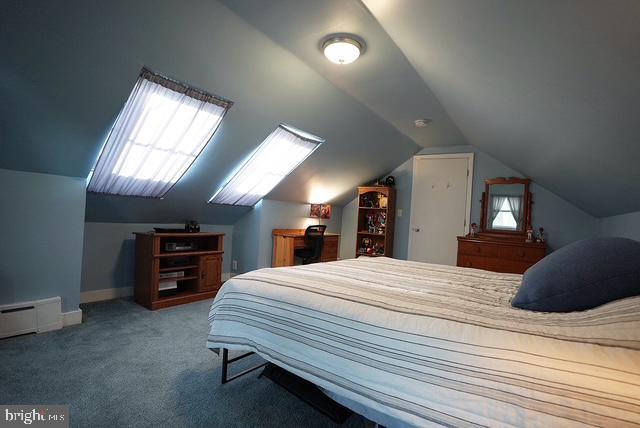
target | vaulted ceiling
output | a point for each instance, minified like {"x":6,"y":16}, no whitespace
{"x":548,"y":87}
{"x":67,"y":71}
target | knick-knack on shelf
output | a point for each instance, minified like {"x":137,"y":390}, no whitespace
{"x":473,"y":233}
{"x":371,"y":226}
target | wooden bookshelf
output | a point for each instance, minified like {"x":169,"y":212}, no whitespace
{"x":200,"y":268}
{"x":376,"y":220}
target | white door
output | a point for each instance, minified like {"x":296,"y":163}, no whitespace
{"x":440,"y":206}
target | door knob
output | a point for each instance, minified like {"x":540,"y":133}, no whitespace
{"x":416,"y":229}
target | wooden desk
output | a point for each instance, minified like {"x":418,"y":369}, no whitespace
{"x":285,"y":241}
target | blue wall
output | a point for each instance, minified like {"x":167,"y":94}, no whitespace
{"x":625,"y":225}
{"x":43,"y":225}
{"x":562,"y":221}
{"x":252,"y":239}
{"x":109,"y":252}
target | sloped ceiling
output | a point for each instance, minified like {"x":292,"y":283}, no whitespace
{"x":67,"y":71}
{"x":549,"y":87}
{"x":382,"y":79}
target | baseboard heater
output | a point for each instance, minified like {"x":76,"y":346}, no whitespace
{"x":30,"y":317}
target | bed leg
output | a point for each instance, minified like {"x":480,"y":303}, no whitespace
{"x":225,"y":366}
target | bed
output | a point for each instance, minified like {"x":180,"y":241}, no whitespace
{"x":415,"y":344}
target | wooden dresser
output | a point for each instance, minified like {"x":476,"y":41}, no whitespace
{"x":499,"y":255}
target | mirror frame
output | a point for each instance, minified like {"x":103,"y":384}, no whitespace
{"x":527,"y":201}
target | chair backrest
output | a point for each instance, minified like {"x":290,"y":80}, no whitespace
{"x":314,"y":238}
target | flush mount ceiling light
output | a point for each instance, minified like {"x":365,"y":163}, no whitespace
{"x":342,"y":49}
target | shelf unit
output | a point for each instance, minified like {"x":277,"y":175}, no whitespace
{"x":201,"y":268}
{"x":374,"y":204}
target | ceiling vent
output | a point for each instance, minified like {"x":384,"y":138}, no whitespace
{"x":422,"y":123}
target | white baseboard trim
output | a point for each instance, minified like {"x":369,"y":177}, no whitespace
{"x":72,"y":317}
{"x":105,"y":294}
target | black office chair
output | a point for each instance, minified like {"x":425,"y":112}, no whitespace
{"x":313,"y":242}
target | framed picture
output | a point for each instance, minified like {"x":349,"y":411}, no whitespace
{"x":320,"y":211}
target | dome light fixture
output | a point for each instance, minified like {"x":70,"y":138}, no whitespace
{"x":342,"y":49}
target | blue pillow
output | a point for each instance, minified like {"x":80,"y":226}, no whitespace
{"x":581,"y":276}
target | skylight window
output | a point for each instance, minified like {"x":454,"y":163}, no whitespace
{"x":279,"y":154}
{"x":160,"y":131}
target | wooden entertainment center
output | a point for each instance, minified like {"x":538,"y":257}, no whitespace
{"x":177,"y":268}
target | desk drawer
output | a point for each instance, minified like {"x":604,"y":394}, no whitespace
{"x":510,"y":252}
{"x":477,"y":249}
{"x":330,"y":249}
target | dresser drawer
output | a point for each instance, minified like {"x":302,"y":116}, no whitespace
{"x":514,"y":266}
{"x":477,"y":249}
{"x":478,"y":262}
{"x":511,"y":252}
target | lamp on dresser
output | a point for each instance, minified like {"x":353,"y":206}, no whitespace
{"x":501,"y":244}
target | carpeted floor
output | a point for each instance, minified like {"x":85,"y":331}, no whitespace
{"x":126,"y":366}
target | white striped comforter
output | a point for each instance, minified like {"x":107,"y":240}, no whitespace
{"x":436,"y":345}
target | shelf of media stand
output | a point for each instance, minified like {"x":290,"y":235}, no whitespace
{"x":177,"y":268}
{"x":178,"y":278}
{"x":188,"y":253}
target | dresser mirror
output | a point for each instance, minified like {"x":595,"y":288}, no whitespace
{"x":506,"y":207}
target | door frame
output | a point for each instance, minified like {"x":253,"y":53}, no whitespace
{"x":470,"y":161}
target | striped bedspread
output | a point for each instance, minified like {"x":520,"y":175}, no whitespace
{"x":430,"y":345}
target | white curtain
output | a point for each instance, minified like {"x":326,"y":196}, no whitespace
{"x":515,"y":203}
{"x":496,"y":205}
{"x":160,"y":131}
{"x":279,"y":154}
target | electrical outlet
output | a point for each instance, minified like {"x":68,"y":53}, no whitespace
{"x":399,"y":212}
{"x":234,"y":265}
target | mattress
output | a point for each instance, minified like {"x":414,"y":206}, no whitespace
{"x":429,"y":345}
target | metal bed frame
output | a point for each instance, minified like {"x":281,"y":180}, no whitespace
{"x":225,"y":366}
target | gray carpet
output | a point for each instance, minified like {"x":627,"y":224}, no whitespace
{"x":126,"y":366}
